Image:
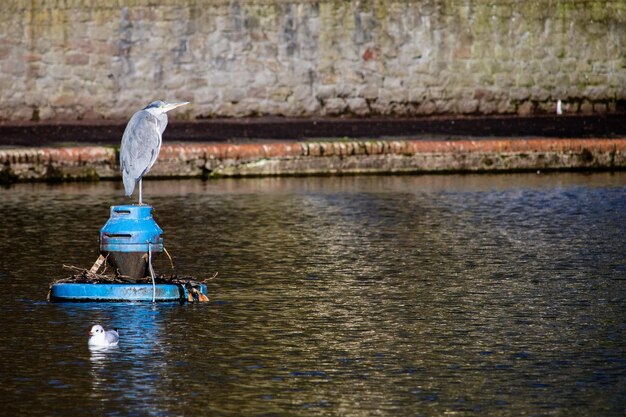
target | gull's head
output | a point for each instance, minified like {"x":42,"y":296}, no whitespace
{"x":96,"y":330}
{"x":160,"y":106}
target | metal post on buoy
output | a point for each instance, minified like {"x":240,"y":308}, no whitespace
{"x":151,"y":272}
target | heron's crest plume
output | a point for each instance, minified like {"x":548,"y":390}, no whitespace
{"x":155,"y":105}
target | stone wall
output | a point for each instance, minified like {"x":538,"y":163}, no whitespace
{"x":92,"y":60}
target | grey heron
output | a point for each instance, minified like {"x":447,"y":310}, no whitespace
{"x":141,"y":142}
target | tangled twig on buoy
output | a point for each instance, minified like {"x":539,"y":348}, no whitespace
{"x":210,"y":278}
{"x":169,"y":257}
{"x":84,"y":276}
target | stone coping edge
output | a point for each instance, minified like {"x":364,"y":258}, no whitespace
{"x":183,"y":160}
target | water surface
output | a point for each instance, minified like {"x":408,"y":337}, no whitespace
{"x":409,"y":295}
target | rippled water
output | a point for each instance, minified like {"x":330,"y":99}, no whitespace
{"x":411,"y":295}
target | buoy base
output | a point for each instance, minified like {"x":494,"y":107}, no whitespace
{"x":85,"y":292}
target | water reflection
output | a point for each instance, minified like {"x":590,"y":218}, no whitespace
{"x":470,"y":295}
{"x":129,"y":371}
{"x":101,"y":359}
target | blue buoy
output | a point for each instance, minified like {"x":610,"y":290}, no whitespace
{"x":127,"y":237}
{"x":128,"y":242}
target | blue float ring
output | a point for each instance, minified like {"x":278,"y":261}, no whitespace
{"x":119,"y":292}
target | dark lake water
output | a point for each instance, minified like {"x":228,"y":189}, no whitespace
{"x":410,"y":295}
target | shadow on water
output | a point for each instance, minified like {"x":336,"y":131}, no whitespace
{"x":425,"y":295}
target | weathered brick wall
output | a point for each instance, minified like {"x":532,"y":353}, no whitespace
{"x":85,"y":59}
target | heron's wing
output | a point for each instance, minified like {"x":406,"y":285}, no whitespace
{"x":140,"y":148}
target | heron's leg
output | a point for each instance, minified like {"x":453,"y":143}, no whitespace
{"x":140,"y":202}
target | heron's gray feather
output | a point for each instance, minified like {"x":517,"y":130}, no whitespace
{"x":162,"y":122}
{"x":140,"y":147}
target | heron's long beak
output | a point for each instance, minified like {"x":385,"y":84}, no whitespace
{"x":172,"y":106}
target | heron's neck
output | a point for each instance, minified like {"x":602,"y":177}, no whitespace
{"x":161,"y":117}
